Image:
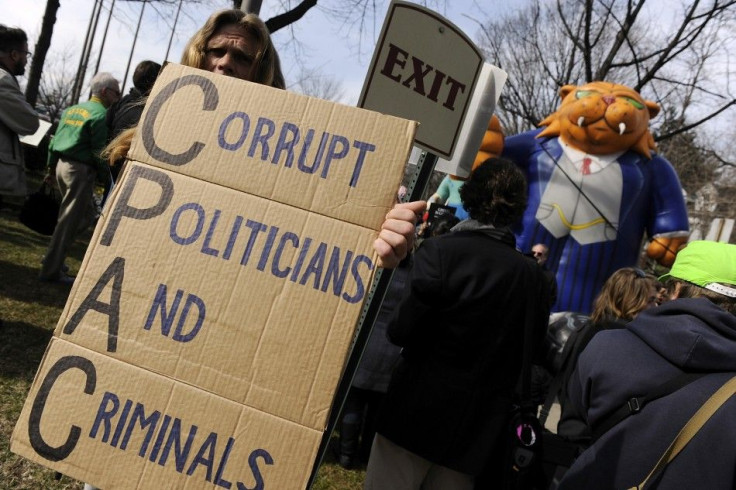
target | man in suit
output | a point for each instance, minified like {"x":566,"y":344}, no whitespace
{"x":596,"y":187}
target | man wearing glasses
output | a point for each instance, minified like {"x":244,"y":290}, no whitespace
{"x":74,"y":158}
{"x":540,"y":252}
{"x":17,"y":117}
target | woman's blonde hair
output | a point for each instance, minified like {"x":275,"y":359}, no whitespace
{"x":624,"y":295}
{"x":266,"y":64}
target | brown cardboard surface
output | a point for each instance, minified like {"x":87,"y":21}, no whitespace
{"x":192,"y":439}
{"x":219,"y":290}
{"x":195,"y":123}
{"x":274,"y":343}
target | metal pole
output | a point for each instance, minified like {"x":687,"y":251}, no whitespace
{"x":135,"y":40}
{"x":89,"y":51}
{"x":104,"y":37}
{"x":368,"y":318}
{"x":251,"y":6}
{"x":79,"y":79}
{"x":173,"y":28}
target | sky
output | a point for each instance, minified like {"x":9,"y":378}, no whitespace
{"x":324,"y":44}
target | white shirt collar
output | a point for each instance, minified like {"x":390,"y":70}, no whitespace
{"x":598,"y":162}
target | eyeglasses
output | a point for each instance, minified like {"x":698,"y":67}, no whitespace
{"x":28,"y":54}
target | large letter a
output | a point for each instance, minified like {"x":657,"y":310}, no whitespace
{"x":114,"y":272}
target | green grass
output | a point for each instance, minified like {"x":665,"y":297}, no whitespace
{"x":29,"y":310}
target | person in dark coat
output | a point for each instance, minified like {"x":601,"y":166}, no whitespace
{"x":461,"y":326}
{"x":370,"y":383}
{"x":126,"y":112}
{"x":695,"y":333}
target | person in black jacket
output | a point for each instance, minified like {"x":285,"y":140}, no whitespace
{"x":461,"y":326}
{"x":126,"y":112}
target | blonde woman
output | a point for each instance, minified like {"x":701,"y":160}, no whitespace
{"x":236,"y":44}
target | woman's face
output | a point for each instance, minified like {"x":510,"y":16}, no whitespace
{"x":231,"y":51}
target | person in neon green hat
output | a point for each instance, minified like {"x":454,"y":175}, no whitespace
{"x":705,"y":264}
{"x":695,"y":333}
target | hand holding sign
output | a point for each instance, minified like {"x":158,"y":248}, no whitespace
{"x":396,"y":238}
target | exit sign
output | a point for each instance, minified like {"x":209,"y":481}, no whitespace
{"x":424,"y":68}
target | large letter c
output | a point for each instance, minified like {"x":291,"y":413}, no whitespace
{"x":34,"y":422}
{"x":211,"y":98}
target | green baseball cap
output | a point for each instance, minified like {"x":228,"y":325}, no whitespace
{"x":708,"y":265}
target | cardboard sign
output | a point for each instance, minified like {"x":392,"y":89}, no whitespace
{"x":119,"y":426}
{"x":424,"y":68}
{"x":203,"y":340}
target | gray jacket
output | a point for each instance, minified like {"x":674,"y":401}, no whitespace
{"x":17,"y":117}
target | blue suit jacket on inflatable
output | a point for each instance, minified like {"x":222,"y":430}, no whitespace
{"x":652,"y":202}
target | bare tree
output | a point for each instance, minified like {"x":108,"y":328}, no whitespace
{"x":313,"y":83}
{"x":40,"y":51}
{"x":676,"y":58}
{"x":55,"y":88}
{"x":360,"y":15}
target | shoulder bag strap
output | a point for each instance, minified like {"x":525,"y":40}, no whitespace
{"x":526,"y":364}
{"x":696,"y":422}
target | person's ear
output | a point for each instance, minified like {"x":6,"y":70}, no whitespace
{"x":676,"y":292}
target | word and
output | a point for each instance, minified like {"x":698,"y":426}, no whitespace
{"x":326,"y":268}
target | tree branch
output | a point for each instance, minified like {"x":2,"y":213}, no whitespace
{"x":697,"y":123}
{"x":621,"y":37}
{"x":280,"y":21}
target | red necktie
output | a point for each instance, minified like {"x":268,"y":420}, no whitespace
{"x":586,"y":165}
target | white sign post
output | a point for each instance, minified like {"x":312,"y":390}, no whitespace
{"x":482,"y":107}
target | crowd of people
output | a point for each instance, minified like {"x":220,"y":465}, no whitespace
{"x":429,"y":407}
